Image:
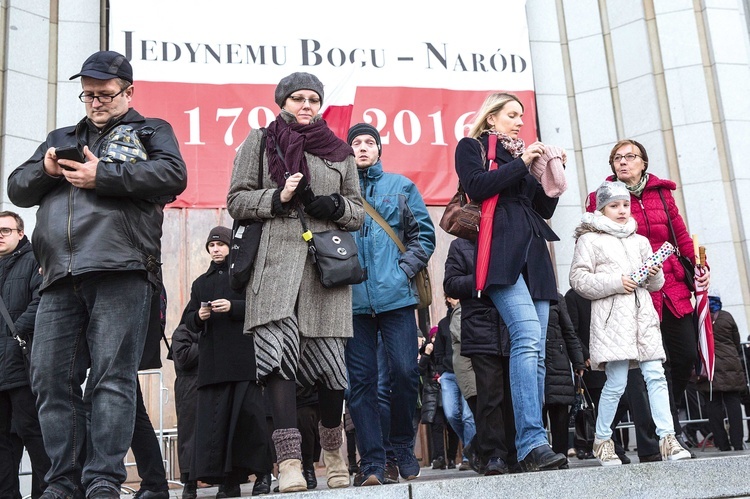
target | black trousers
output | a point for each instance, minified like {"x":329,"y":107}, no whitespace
{"x":18,"y":408}
{"x":146,"y":449}
{"x":496,"y":431}
{"x":559,"y":417}
{"x":726,"y":403}
{"x":680,"y":339}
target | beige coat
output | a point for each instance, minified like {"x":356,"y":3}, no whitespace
{"x":623,"y":326}
{"x":284,"y":279}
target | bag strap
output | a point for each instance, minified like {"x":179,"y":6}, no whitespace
{"x":584,"y":391}
{"x":307,"y":235}
{"x":669,"y":223}
{"x":11,"y":326}
{"x":387,"y":228}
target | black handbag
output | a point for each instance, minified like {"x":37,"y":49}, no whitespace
{"x":246,"y":238}
{"x":584,"y":419}
{"x":334,"y":252}
{"x":687,"y":265}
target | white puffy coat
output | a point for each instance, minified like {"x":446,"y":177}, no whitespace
{"x":624,"y":326}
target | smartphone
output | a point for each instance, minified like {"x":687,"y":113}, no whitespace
{"x":73,"y":153}
{"x":304,"y":191}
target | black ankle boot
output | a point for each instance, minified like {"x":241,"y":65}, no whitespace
{"x":543,"y":458}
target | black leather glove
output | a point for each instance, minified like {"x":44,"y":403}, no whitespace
{"x":325,"y":207}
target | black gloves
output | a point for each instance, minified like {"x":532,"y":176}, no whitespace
{"x":326,"y":207}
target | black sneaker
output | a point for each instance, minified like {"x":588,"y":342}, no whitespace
{"x":624,"y":459}
{"x":438,"y":463}
{"x":408,"y":466}
{"x":495,"y":466}
{"x":543,"y":458}
{"x":650,"y":458}
{"x":451,"y":464}
{"x":391,"y":473}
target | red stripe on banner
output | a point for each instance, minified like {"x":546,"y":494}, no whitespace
{"x":420,"y":128}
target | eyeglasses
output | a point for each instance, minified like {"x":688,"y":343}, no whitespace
{"x":6,"y":231}
{"x":628,"y":157}
{"x":298,"y":99}
{"x":103,"y":99}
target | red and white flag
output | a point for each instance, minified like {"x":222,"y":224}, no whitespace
{"x":339,"y":105}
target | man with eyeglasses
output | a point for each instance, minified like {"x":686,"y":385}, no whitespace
{"x":19,"y":287}
{"x":98,"y":241}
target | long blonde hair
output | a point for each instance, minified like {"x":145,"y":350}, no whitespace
{"x":492,"y":104}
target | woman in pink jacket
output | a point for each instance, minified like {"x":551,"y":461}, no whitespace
{"x":653,"y":207}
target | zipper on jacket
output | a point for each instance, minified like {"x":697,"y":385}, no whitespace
{"x":70,"y":223}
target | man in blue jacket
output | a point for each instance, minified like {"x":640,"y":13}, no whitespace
{"x":385,"y":303}
{"x":98,"y":241}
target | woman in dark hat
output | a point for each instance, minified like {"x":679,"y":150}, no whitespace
{"x":299,"y":327}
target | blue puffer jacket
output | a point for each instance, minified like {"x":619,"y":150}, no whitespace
{"x":390,"y":272}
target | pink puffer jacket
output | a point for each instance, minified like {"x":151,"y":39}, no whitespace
{"x":648,"y":211}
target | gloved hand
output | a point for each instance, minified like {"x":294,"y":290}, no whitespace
{"x":324,"y":207}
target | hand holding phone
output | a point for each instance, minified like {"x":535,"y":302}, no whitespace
{"x":72,"y":153}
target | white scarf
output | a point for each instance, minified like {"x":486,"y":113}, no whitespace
{"x":604,"y":224}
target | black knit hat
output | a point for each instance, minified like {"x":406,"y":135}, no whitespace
{"x":220,"y":233}
{"x":364,"y":129}
{"x":297,"y":81}
{"x":106,"y":65}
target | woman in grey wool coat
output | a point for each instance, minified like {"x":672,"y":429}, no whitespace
{"x":299,"y":327}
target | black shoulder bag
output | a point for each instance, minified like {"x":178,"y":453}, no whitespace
{"x":246,"y":238}
{"x":12,"y":327}
{"x":687,"y":265}
{"x":334,"y":251}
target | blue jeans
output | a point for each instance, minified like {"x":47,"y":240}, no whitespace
{"x":658,"y":396}
{"x":398,"y":329}
{"x":384,"y":397}
{"x":527,"y":323}
{"x":457,"y":410}
{"x":95,"y":320}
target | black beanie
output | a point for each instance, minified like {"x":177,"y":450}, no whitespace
{"x":364,"y":129}
{"x":220,"y":233}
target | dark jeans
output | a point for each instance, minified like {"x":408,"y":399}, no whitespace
{"x":97,"y":319}
{"x":18,"y":409}
{"x":558,"y":426}
{"x":716,"y":407}
{"x":398,"y":329}
{"x":146,"y":449}
{"x":494,"y":408}
{"x":680,"y":340}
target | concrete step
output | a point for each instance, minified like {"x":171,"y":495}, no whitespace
{"x":711,"y":474}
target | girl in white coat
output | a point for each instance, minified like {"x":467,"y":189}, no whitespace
{"x":624,"y":325}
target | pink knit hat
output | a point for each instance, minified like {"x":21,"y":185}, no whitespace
{"x":548,"y":170}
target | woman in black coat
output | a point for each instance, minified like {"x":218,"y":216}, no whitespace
{"x":521,"y":280}
{"x":484,"y":338}
{"x":185,"y":357}
{"x":563,"y":348}
{"x":231,"y":437}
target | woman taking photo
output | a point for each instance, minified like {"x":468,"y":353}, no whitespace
{"x":299,"y":327}
{"x":520,"y":292}
{"x":654,"y":209}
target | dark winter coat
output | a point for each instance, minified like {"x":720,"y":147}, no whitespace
{"x":579,"y":310}
{"x":563,"y":348}
{"x":432,"y":399}
{"x":519,"y":232}
{"x":483,"y":331}
{"x":729,"y":373}
{"x":226,"y":353}
{"x":117,"y":225}
{"x":648,"y":212}
{"x":185,"y":357}
{"x":19,"y":282}
{"x":444,"y":345}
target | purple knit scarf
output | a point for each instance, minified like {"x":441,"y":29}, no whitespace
{"x":295,"y":139}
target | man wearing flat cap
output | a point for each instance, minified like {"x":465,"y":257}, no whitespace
{"x":98,"y":241}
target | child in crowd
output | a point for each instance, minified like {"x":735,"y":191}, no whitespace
{"x":624,"y":324}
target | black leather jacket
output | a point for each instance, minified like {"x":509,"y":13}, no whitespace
{"x":117,"y":225}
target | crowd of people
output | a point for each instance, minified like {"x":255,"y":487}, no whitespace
{"x":272,"y":376}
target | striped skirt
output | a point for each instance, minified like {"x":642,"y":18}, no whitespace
{"x":280,"y":349}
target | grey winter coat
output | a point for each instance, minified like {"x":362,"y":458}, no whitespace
{"x":284,"y":280}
